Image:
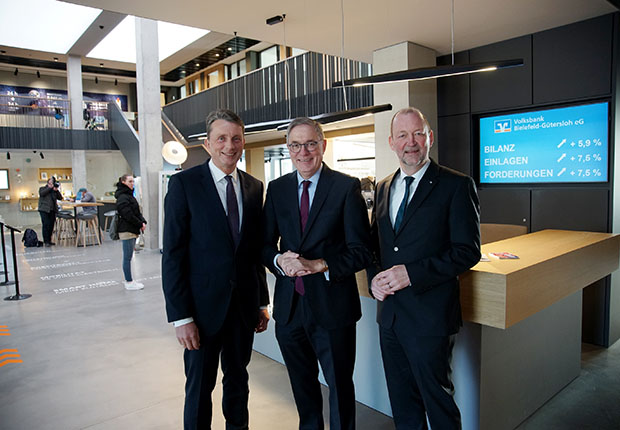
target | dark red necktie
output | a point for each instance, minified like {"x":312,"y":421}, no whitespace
{"x":233,"y":210}
{"x":304,"y":208}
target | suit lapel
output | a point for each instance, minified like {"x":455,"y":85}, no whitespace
{"x":219,"y":221}
{"x":426,"y":185}
{"x":291,"y":203}
{"x":322,"y":190}
{"x":383,"y":205}
{"x":245,"y":195}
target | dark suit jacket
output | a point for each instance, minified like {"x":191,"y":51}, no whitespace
{"x":439,"y":239}
{"x":337,"y":230}
{"x":200,"y":267}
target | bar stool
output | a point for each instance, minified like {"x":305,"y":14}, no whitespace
{"x":64,"y":228}
{"x":108,"y":217}
{"x":87,"y":228}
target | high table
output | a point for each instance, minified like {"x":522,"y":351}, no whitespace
{"x":75,"y":205}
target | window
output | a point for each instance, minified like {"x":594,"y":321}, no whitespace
{"x":269,"y":56}
{"x":214,"y":78}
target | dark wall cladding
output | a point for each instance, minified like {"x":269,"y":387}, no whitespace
{"x":53,"y":138}
{"x":570,"y":64}
{"x":261,"y":95}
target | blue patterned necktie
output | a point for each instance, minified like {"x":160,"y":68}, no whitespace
{"x":403,"y":205}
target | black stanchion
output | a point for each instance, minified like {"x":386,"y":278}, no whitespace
{"x":6,"y":270}
{"x":17,"y":295}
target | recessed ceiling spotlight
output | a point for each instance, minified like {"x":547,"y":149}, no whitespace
{"x":56,"y":59}
{"x":230,"y":49}
{"x":217,"y":55}
{"x":197,"y":64}
{"x":100,"y":64}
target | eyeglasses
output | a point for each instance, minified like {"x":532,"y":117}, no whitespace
{"x":296,"y":147}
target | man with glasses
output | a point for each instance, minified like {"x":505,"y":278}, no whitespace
{"x":316,"y":237}
{"x":426,"y":231}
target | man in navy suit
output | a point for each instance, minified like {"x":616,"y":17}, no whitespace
{"x":426,"y":230}
{"x":213,"y":280}
{"x":316,"y":237}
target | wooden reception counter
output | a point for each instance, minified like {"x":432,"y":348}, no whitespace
{"x":552,"y":264}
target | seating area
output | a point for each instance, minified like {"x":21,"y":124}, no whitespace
{"x":78,"y":230}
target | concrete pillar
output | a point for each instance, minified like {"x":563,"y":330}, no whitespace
{"x":149,"y":123}
{"x":255,"y":163}
{"x":419,"y":94}
{"x":74,"y":86}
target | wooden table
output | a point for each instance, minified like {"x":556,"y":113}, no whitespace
{"x":75,"y":205}
{"x":552,"y":264}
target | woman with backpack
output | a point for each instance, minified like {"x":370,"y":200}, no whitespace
{"x":130,"y":224}
{"x":48,"y":206}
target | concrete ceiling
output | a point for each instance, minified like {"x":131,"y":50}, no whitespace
{"x":316,"y":25}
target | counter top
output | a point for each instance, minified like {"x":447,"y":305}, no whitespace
{"x":552,"y":264}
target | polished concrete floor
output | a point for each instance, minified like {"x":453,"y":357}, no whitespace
{"x":95,"y":356}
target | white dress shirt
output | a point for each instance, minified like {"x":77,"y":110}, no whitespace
{"x":397,"y":191}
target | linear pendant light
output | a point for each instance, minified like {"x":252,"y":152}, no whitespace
{"x":324,"y":118}
{"x":430,"y":73}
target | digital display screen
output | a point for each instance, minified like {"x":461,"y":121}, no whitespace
{"x":4,"y":179}
{"x":560,"y":145}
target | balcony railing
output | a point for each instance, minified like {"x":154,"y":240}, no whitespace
{"x":264,"y":95}
{"x":35,"y":112}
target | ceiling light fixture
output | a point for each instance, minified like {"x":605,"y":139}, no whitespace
{"x":217,"y":55}
{"x":275,"y":19}
{"x":324,"y":118}
{"x":56,"y":59}
{"x":432,"y":72}
{"x":197,"y":64}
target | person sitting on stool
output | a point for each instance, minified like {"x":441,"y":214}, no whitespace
{"x":88,"y":212}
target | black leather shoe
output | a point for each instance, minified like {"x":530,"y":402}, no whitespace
{"x":52,"y":244}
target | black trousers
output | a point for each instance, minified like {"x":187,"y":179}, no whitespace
{"x":47,"y":221}
{"x":418,"y":374}
{"x":303,"y":342}
{"x":234,"y":344}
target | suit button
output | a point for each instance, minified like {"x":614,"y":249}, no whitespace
{"x":396,"y":249}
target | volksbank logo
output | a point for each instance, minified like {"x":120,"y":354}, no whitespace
{"x":503,"y":125}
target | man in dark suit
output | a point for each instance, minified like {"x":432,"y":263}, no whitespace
{"x":316,"y":237}
{"x":426,"y":231}
{"x":213,"y":281}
